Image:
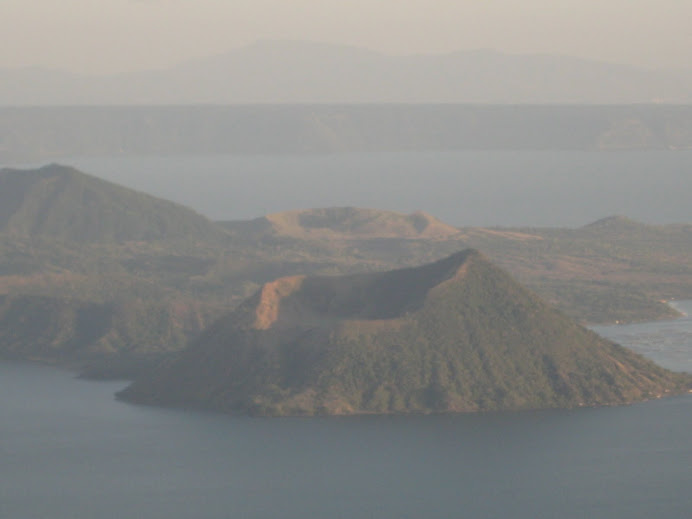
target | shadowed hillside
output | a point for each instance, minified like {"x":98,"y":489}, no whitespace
{"x":65,"y":204}
{"x":456,"y":335}
{"x":92,"y":270}
{"x":115,"y":334}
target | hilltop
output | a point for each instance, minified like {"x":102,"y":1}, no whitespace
{"x":65,"y":204}
{"x":345,"y":223}
{"x":92,"y":270}
{"x":452,"y":336}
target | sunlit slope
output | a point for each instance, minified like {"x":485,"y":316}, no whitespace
{"x":345,"y":223}
{"x":452,"y":336}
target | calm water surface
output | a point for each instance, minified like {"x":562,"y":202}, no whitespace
{"x":506,"y":188}
{"x":69,"y":450}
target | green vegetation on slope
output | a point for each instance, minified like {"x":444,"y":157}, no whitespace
{"x":92,"y":270}
{"x":68,"y":330}
{"x":68,"y":237}
{"x":65,"y":204}
{"x":457,"y":335}
{"x":613,"y":270}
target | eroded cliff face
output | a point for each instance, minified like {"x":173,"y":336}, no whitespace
{"x":271,"y":302}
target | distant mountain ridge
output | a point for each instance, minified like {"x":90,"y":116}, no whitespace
{"x":282,"y":71}
{"x":452,"y":336}
{"x":51,"y":133}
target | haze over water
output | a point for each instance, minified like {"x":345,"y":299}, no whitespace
{"x":465,"y":188}
{"x":68,"y":449}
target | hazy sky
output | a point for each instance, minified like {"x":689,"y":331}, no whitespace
{"x":116,"y":35}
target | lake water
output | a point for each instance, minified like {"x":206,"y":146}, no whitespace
{"x":69,"y":450}
{"x":480,"y":188}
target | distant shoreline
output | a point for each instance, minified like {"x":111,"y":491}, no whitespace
{"x":40,"y":133}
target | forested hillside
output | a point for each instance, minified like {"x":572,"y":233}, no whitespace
{"x":452,"y":336}
{"x":155,"y":274}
